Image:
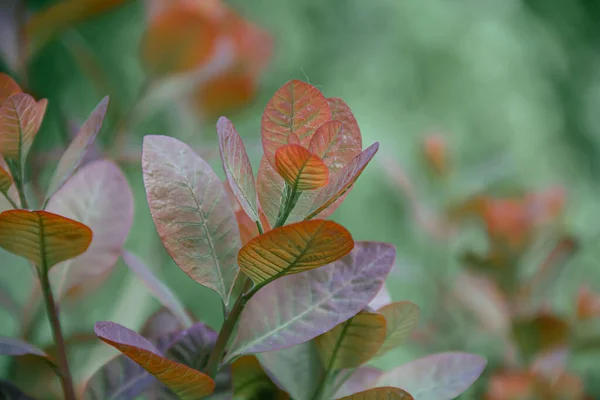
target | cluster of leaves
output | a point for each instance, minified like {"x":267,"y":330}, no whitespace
{"x":511,"y":302}
{"x":298,"y":294}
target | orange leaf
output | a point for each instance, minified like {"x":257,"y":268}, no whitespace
{"x":5,"y":180}
{"x":326,"y":141}
{"x":224,"y":92}
{"x":297,"y":108}
{"x":294,"y":248}
{"x":588,"y":304}
{"x":351,"y":139}
{"x":382,"y":393}
{"x":8,"y":87}
{"x":301,"y":169}
{"x":42,"y":237}
{"x":434,"y":150}
{"x":185,"y":382}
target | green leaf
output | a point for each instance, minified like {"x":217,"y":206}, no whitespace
{"x":401,"y":318}
{"x":250,"y":381}
{"x":8,"y":391}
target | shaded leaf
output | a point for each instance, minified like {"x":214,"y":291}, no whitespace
{"x":160,"y":327}
{"x":161,"y":291}
{"x":298,"y":108}
{"x":342,"y":181}
{"x":441,"y":376}
{"x":99,"y":196}
{"x":8,"y":87}
{"x":298,"y":369}
{"x":20,"y":120}
{"x":192,"y":346}
{"x":383,"y":393}
{"x":16,"y":347}
{"x":237,"y":167}
{"x":353,"y":342}
{"x":401,"y":318}
{"x":300,"y":168}
{"x":186,"y":382}
{"x":297,"y":308}
{"x":74,"y":154}
{"x":294,"y":248}
{"x":119,"y":379}
{"x":9,"y":391}
{"x":5,"y":181}
{"x":191,"y":212}
{"x":43,"y":237}
{"x":360,"y":380}
{"x":250,"y":381}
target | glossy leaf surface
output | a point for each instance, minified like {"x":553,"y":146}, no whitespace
{"x":401,"y":318}
{"x":300,"y":168}
{"x":99,"y":196}
{"x":186,"y":382}
{"x":298,"y":108}
{"x":192,"y":213}
{"x":383,"y":393}
{"x":297,"y":308}
{"x":43,"y":237}
{"x":237,"y":167}
{"x":294,"y":248}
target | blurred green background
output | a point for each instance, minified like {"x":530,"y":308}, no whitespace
{"x":513,"y":86}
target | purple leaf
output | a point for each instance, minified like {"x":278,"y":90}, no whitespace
{"x":98,"y":196}
{"x":72,"y":157}
{"x":297,"y":308}
{"x":192,"y":346}
{"x":17,"y":347}
{"x":192,"y":213}
{"x":160,"y":327}
{"x":441,"y":376}
{"x":360,"y":380}
{"x":119,"y":334}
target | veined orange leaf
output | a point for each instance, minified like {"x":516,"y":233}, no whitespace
{"x":293,"y":139}
{"x":294,"y":248}
{"x":42,"y":237}
{"x":401,"y":318}
{"x":20,"y":120}
{"x":383,"y":393}
{"x":353,"y":342}
{"x":326,"y":141}
{"x":5,"y":181}
{"x":341,"y":182}
{"x":8,"y":87}
{"x":297,"y":108}
{"x":237,"y":167}
{"x":300,"y":168}
{"x":185,"y":382}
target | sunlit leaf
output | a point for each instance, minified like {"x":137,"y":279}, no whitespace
{"x":43,"y":237}
{"x":437,"y":377}
{"x":20,"y":120}
{"x":5,"y":181}
{"x":300,"y":168}
{"x":401,"y":318}
{"x":300,"y":307}
{"x":16,"y":347}
{"x":382,"y":393}
{"x":120,"y":378}
{"x":351,"y":140}
{"x":8,"y":87}
{"x":298,"y":369}
{"x":73,"y":155}
{"x":353,"y":342}
{"x":298,"y":108}
{"x":250,"y":381}
{"x":186,"y":382}
{"x":237,"y":167}
{"x":8,"y":391}
{"x":341,"y":182}
{"x":191,"y":212}
{"x":294,"y":248}
{"x":99,"y":196}
{"x":161,"y":291}
{"x":360,"y":380}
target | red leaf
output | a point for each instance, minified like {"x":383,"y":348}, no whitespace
{"x":8,"y":87}
{"x":351,"y":139}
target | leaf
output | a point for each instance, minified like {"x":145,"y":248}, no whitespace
{"x":401,"y":318}
{"x":298,"y":108}
{"x":160,"y":327}
{"x":99,"y":196}
{"x":5,"y":181}
{"x":74,"y":154}
{"x":294,"y":248}
{"x":237,"y":167}
{"x":119,"y":379}
{"x":297,"y":370}
{"x":441,"y":376}
{"x":191,"y":212}
{"x":186,"y":382}
{"x":383,"y":298}
{"x":342,"y":181}
{"x":360,"y":380}
{"x":353,"y":342}
{"x":161,"y":291}
{"x":325,"y":143}
{"x":20,"y":120}
{"x":192,"y":346}
{"x":16,"y":347}
{"x":297,"y":308}
{"x":43,"y":237}
{"x":300,"y":168}
{"x":350,"y":137}
{"x":250,"y":381}
{"x":8,"y":391}
{"x":383,"y":393}
{"x":8,"y":87}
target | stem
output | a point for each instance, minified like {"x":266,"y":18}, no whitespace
{"x":61,"y":354}
{"x":290,"y":198}
{"x":11,"y":201}
{"x":329,"y":371}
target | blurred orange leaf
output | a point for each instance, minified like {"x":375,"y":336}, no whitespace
{"x":588,"y":304}
{"x":382,"y":393}
{"x":301,"y":169}
{"x":434,"y":150}
{"x":8,"y":87}
{"x":515,"y":386}
{"x":42,"y":237}
{"x":294,"y":248}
